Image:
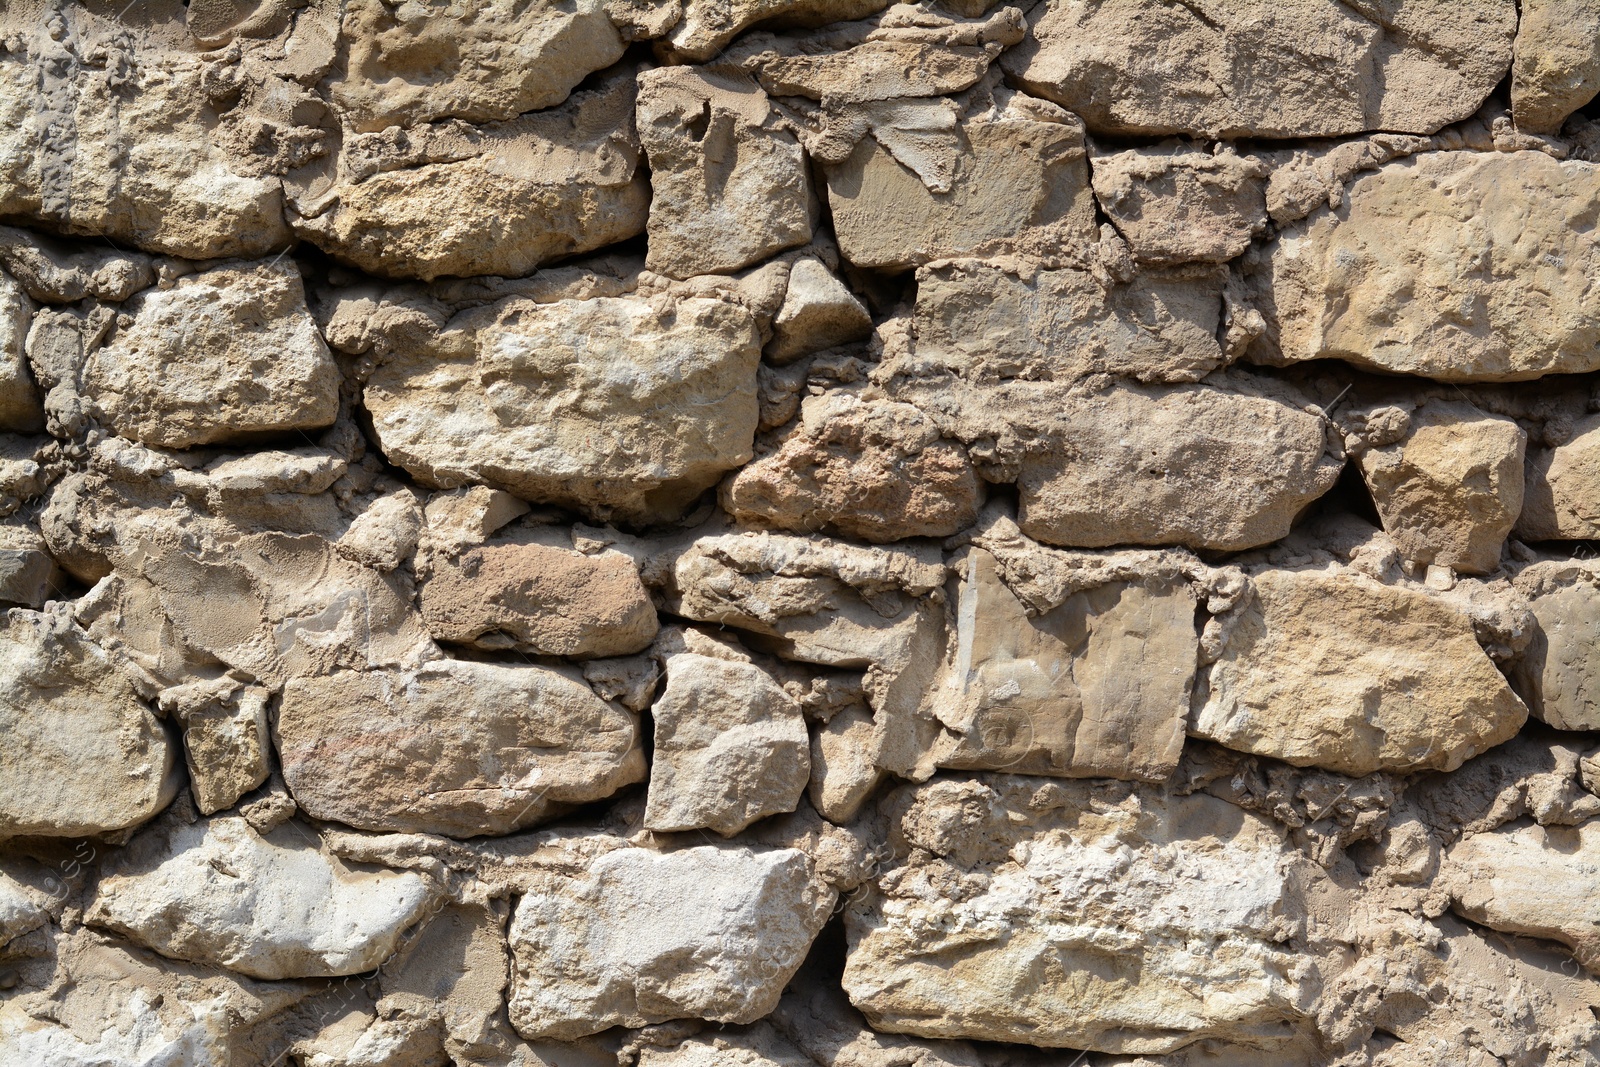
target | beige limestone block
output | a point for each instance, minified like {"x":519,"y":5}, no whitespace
{"x":1194,"y":465}
{"x":818,"y":313}
{"x":216,"y":892}
{"x":1265,"y":68}
{"x":638,"y":937}
{"x":537,"y":598}
{"x":619,"y":406}
{"x":983,"y":319}
{"x":843,"y":770}
{"x":1091,"y":915}
{"x":225,"y":739}
{"x":21,"y":409}
{"x":1451,"y":488}
{"x":453,"y":975}
{"x":56,"y":271}
{"x":502,"y":198}
{"x":1337,"y":670}
{"x":454,"y":747}
{"x":1457,"y":266}
{"x":868,"y":469}
{"x":1556,"y":69}
{"x":1559,"y":672}
{"x":1175,"y":203}
{"x":730,"y":747}
{"x":1562,"y":495}
{"x":28,"y":575}
{"x":82,"y":753}
{"x":708,"y":25}
{"x":223,"y":354}
{"x":481,"y":61}
{"x":1096,"y":687}
{"x":930,"y":182}
{"x":1537,"y":881}
{"x":730,"y":185}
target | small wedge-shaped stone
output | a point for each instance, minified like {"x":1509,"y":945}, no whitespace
{"x":20,"y":405}
{"x":1450,"y":488}
{"x":1457,"y":266}
{"x":1192,"y":465}
{"x":219,"y":356}
{"x":1558,"y":673}
{"x":501,"y":198}
{"x":483,"y":62}
{"x":818,"y":312}
{"x":1557,"y":65}
{"x":874,"y":470}
{"x":80,"y":753}
{"x":1561,"y":501}
{"x":1536,"y":881}
{"x":1178,"y":204}
{"x":619,"y":406}
{"x":225,"y":740}
{"x":730,"y":747}
{"x":216,"y":892}
{"x":708,"y":25}
{"x":1265,"y":68}
{"x":1097,"y":687}
{"x":931,"y":182}
{"x":730,"y":185}
{"x":1088,"y":915}
{"x":1337,"y":670}
{"x":454,"y":747}
{"x":639,"y":937}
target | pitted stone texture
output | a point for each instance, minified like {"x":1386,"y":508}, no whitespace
{"x":1334,"y":669}
{"x":619,"y":406}
{"x":636,"y":937}
{"x":730,"y":747}
{"x":502,"y":198}
{"x":216,"y":892}
{"x":874,"y":470}
{"x":1096,"y":687}
{"x":82,"y":753}
{"x":1557,"y":67}
{"x":1456,"y":266}
{"x":455,"y":747}
{"x":220,"y":356}
{"x":730,"y":186}
{"x":1559,"y":672}
{"x":1194,"y":465}
{"x":225,"y":739}
{"x":1072,"y":916}
{"x":1450,"y":488}
{"x":1562,"y":495}
{"x":1178,"y":204}
{"x":1254,"y":68}
{"x":482,"y":62}
{"x":975,"y":183}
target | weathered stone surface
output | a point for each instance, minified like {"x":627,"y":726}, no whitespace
{"x":730,"y":184}
{"x":1557,"y":67}
{"x":1559,"y":673}
{"x":730,"y":747}
{"x":274,"y":906}
{"x":82,"y":753}
{"x":1178,"y":204}
{"x":708,"y":25}
{"x":1446,"y":478}
{"x":1191,"y":465}
{"x":1305,"y":68}
{"x":619,"y":405}
{"x":225,"y":740}
{"x":1561,"y":500}
{"x":931,"y":181}
{"x":502,"y":198}
{"x":873,"y":470}
{"x":455,"y":747}
{"x":220,"y":356}
{"x":483,"y":62}
{"x":709,"y":932}
{"x":20,"y":410}
{"x":843,"y":771}
{"x":1079,"y":921}
{"x":1336,"y":670}
{"x":1532,"y":880}
{"x":1096,"y":687}
{"x":818,"y":312}
{"x":28,"y":576}
{"x":1456,"y":266}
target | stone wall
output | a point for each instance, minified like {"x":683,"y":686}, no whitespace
{"x":799,"y":533}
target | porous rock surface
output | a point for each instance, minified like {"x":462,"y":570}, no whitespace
{"x":799,"y":533}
